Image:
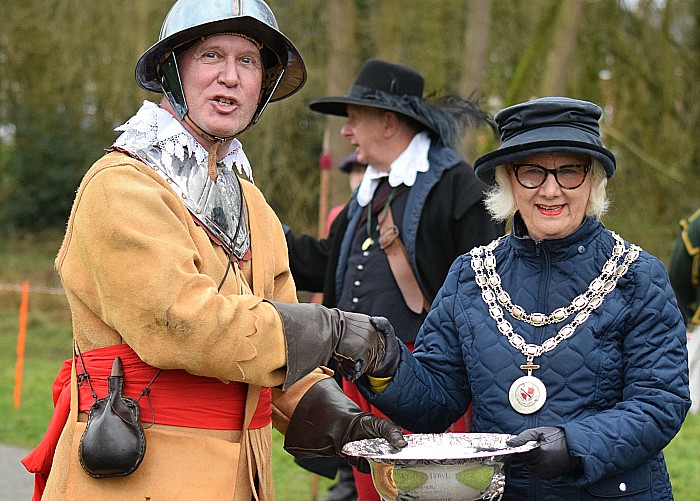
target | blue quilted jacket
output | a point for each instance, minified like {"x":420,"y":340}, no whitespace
{"x":618,"y":386}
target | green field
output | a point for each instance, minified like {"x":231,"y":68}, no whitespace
{"x":48,"y":344}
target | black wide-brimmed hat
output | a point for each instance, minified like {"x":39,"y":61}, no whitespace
{"x":546,"y":125}
{"x":382,"y":85}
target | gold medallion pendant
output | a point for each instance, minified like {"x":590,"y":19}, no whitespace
{"x":527,"y":394}
{"x":367,"y":243}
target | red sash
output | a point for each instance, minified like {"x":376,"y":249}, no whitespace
{"x":177,"y":397}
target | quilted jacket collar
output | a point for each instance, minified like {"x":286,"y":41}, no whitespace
{"x":558,"y":248}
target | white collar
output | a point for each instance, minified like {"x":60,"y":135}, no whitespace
{"x":403,"y":170}
{"x":152,"y":125}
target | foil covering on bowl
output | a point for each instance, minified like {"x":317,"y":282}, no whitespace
{"x":441,"y":466}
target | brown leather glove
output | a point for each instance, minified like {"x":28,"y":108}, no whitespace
{"x":326,"y":419}
{"x":315,"y":333}
{"x":551,"y":459}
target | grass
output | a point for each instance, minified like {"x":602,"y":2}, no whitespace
{"x":48,"y":343}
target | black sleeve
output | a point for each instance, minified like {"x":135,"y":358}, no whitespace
{"x":454,"y":221}
{"x":307,"y":260}
{"x":680,"y":272}
{"x":309,"y":256}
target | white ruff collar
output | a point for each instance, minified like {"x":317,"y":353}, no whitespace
{"x":152,"y":125}
{"x":403,"y":170}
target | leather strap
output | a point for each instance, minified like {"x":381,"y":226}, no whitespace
{"x":390,"y":242}
{"x":251,"y":402}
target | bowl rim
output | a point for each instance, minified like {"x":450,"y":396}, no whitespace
{"x":379,"y":450}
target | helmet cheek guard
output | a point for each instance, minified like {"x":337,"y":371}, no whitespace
{"x":171,"y":85}
{"x":273,"y":74}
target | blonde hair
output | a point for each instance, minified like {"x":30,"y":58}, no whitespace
{"x":500,"y":201}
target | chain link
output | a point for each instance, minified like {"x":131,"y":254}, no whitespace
{"x":583,"y":305}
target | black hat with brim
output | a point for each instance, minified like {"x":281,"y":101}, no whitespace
{"x":382,"y":85}
{"x":546,"y":125}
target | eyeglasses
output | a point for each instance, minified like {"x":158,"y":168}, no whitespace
{"x":533,"y":176}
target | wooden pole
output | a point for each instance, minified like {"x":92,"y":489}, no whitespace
{"x":314,"y":487}
{"x":21,"y":336}
{"x":324,"y":164}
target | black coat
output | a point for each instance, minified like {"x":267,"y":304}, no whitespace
{"x":447,"y":204}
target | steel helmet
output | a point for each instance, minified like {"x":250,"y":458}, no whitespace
{"x":191,"y":20}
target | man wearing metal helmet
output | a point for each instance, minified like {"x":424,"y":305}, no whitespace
{"x":178,"y":267}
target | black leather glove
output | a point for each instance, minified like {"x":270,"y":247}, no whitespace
{"x":551,"y":459}
{"x":388,"y":366}
{"x":325,"y":419}
{"x":315,"y":333}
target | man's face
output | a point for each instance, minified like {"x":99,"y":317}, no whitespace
{"x":364,"y":130}
{"x":222,"y":79}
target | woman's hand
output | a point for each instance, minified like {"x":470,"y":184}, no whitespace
{"x":551,"y":459}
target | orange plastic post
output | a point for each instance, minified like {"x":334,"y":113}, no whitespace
{"x":21,"y":336}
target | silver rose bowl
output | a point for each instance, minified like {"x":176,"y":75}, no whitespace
{"x":444,"y":466}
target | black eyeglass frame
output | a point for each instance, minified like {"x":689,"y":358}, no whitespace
{"x":553,"y":172}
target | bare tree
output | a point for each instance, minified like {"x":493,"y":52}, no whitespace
{"x":476,"y":44}
{"x":391,"y":14}
{"x":559,"y":59}
{"x":342,"y":66}
{"x":524,"y":78}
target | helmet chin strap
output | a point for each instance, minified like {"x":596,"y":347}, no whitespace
{"x":218,"y":140}
{"x":214,"y":148}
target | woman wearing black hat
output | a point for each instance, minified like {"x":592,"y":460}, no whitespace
{"x":559,"y":332}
